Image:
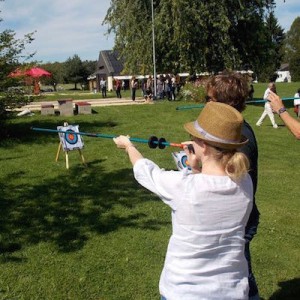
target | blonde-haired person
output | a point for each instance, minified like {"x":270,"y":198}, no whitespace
{"x":268,"y":109}
{"x":233,"y":89}
{"x":210,"y":208}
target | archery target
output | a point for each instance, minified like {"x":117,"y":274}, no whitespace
{"x":69,"y":139}
{"x":180,"y":159}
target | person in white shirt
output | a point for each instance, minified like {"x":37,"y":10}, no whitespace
{"x":297,"y":103}
{"x":210,"y":208}
{"x":268,"y":109}
{"x":103,"y":87}
{"x":292,"y":124}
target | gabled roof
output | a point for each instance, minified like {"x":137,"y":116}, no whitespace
{"x":109,"y":63}
{"x":284,"y":67}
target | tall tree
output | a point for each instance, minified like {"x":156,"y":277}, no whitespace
{"x":191,"y":36}
{"x":292,"y":49}
{"x":11,"y":53}
{"x":75,"y":70}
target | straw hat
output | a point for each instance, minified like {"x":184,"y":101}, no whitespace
{"x":219,"y":125}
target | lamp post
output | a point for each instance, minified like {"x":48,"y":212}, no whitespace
{"x":153,"y":47}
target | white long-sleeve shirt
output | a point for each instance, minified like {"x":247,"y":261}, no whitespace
{"x":205,"y":257}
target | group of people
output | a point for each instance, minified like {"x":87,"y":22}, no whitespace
{"x":213,"y":209}
{"x":167,"y":86}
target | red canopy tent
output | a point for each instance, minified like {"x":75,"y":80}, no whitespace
{"x":37,"y":72}
{"x":17,"y":73}
{"x":34,"y":72}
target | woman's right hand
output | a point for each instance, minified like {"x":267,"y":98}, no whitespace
{"x":192,"y":159}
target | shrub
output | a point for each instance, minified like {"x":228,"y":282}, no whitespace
{"x":193,"y":91}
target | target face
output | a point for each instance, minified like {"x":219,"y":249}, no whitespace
{"x":68,"y":137}
{"x":181,"y":162}
{"x":184,"y":161}
{"x":71,"y":137}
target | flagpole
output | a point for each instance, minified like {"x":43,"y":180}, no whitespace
{"x":153,"y":46}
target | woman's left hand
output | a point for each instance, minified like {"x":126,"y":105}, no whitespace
{"x":122,"y":141}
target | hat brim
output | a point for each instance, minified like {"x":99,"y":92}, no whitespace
{"x":189,"y":127}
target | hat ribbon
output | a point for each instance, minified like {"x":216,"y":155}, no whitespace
{"x":210,"y":136}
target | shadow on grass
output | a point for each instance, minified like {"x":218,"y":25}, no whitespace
{"x":68,"y":209}
{"x":289,"y":290}
{"x":21,"y":132}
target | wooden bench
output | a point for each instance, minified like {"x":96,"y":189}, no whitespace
{"x":47,"y":109}
{"x":65,"y":107}
{"x":83,"y":108}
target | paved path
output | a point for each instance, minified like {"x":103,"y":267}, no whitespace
{"x":36,"y":106}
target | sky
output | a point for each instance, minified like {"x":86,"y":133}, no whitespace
{"x":65,"y":28}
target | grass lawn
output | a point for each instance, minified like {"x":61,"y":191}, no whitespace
{"x":93,"y":233}
{"x":283,"y":89}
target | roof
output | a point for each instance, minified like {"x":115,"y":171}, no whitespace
{"x":284,"y":67}
{"x":109,"y":63}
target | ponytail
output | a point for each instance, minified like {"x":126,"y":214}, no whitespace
{"x":237,"y":166}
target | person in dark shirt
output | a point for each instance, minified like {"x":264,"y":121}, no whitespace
{"x":233,"y":89}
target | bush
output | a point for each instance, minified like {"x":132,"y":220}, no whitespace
{"x":193,"y":91}
{"x":14,"y":97}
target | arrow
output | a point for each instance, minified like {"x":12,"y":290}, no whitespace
{"x":247,"y":102}
{"x":153,"y":141}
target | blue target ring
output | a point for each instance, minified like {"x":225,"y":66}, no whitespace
{"x":184,"y":162}
{"x":71,"y":137}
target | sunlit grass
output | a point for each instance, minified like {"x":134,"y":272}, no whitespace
{"x":93,"y":233}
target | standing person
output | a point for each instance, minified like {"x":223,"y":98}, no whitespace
{"x":160,"y":87}
{"x":168,"y":85}
{"x":134,"y":85}
{"x":173,"y":88}
{"x":232,"y":89}
{"x":210,"y":208}
{"x":268,"y":109}
{"x":292,"y":124}
{"x":149,"y":89}
{"x":251,"y":92}
{"x":118,"y":88}
{"x":297,"y":103}
{"x":103,"y":87}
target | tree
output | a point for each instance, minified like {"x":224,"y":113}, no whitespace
{"x":76,"y":72}
{"x":58,"y":74}
{"x":292,"y":49}
{"x":272,"y":58}
{"x":192,"y":36}
{"x":11,"y":52}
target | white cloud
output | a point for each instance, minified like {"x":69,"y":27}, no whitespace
{"x":63,"y":28}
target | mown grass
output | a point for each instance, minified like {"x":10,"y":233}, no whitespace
{"x":93,"y":233}
{"x":283,"y":89}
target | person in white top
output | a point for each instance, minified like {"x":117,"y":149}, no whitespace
{"x":210,"y":208}
{"x":268,"y":109}
{"x":292,"y":124}
{"x":297,"y":103}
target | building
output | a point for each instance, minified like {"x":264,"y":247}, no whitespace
{"x":109,"y":66}
{"x":283,"y":74}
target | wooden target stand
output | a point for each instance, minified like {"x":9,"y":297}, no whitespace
{"x":69,"y":141}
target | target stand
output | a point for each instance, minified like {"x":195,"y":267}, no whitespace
{"x":68,"y":141}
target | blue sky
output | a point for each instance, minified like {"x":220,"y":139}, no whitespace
{"x":65,"y":28}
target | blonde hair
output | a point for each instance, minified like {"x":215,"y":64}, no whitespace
{"x":236,"y":164}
